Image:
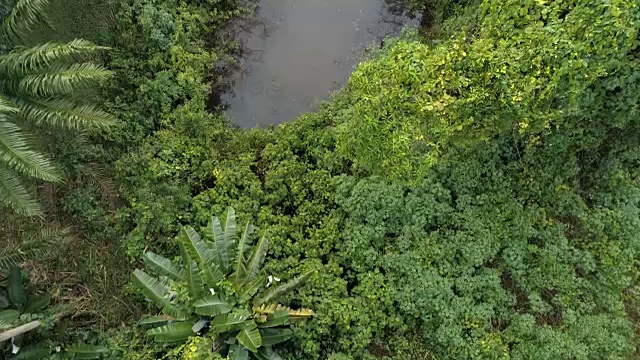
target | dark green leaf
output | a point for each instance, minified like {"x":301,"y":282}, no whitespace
{"x":249,"y":336}
{"x":15,"y":288}
{"x":275,"y":336}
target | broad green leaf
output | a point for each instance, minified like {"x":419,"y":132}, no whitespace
{"x":37,"y":303}
{"x":153,"y":321}
{"x":200,"y":252}
{"x":157,"y":292}
{"x":250,"y":289}
{"x":215,"y":235}
{"x":212,"y":306}
{"x":174,"y":332}
{"x":32,"y":353}
{"x":163,"y":266}
{"x":195,"y":282}
{"x":257,"y":258}
{"x":239,"y":275}
{"x":238,"y":352}
{"x":15,"y":288}
{"x":199,"y":325}
{"x":228,"y":322}
{"x":230,"y":232}
{"x":83,"y":351}
{"x":249,"y":336}
{"x":283,"y":288}
{"x":9,"y":315}
{"x":267,"y":353}
{"x":278,"y":318}
{"x":272,"y":337}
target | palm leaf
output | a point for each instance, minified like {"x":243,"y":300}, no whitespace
{"x":257,"y":258}
{"x":212,"y":306}
{"x":84,"y":351}
{"x":283,"y":288}
{"x":60,"y":80}
{"x":6,"y":106}
{"x":272,"y":337}
{"x":249,"y":336}
{"x":14,"y":194}
{"x":62,"y":112}
{"x":36,"y":244}
{"x":239,"y":275}
{"x":15,"y":153}
{"x":163,"y":266}
{"x":27,"y":60}
{"x":26,"y":14}
{"x":171,"y":333}
{"x":238,"y":352}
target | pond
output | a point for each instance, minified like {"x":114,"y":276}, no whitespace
{"x":299,"y":52}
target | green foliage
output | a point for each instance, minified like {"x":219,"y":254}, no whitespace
{"x":28,"y":318}
{"x":34,"y":244}
{"x":473,"y":196}
{"x":221,"y":275}
{"x":42,"y":85}
{"x":514,"y":71}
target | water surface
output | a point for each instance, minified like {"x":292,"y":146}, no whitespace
{"x":300,"y":52}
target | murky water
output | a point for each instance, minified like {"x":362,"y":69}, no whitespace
{"x":301,"y":51}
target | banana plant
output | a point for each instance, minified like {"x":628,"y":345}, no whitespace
{"x":221,"y":276}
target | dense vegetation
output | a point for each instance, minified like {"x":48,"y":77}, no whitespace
{"x":472,"y":193}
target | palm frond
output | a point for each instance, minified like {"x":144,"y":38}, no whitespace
{"x":63,"y":112}
{"x":16,"y":154}
{"x":35,"y":244}
{"x":26,"y":14}
{"x":23,"y":61}
{"x":14,"y":194}
{"x":6,"y":106}
{"x":62,"y":80}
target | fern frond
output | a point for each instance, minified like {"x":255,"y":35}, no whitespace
{"x":62,"y":112}
{"x":14,"y":194}
{"x":26,"y":14}
{"x":62,"y":80}
{"x":23,"y":61}
{"x":15,"y":154}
